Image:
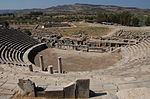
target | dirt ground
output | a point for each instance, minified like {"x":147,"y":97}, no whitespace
{"x":77,"y":61}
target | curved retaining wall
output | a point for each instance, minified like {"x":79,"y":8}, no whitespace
{"x":30,"y":54}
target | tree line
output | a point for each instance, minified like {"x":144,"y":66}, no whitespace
{"x":123,"y":18}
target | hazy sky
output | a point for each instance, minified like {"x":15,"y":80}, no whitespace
{"x":21,"y":4}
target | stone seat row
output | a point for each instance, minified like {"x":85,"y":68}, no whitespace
{"x":16,"y":38}
{"x":138,"y":51}
{"x":14,"y":34}
{"x":21,"y":41}
{"x":130,"y":34}
{"x":9,"y":54}
{"x":13,"y":45}
{"x":16,"y":45}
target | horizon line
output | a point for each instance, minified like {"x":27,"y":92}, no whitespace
{"x":70,"y":4}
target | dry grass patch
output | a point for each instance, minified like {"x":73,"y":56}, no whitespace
{"x":77,"y":29}
{"x":90,"y":31}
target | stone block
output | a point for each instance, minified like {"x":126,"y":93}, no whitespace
{"x":82,"y":88}
{"x":54,"y":92}
{"x":40,"y":93}
{"x":27,"y":87}
{"x":69,"y":90}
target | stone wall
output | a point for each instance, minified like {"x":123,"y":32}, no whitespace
{"x":32,"y":52}
{"x":89,"y":45}
{"x":75,"y":90}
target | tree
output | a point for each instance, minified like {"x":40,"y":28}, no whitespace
{"x":135,"y":21}
{"x":36,"y":13}
{"x":125,"y":18}
{"x":101,"y":17}
{"x":147,"y":22}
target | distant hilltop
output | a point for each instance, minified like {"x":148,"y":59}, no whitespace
{"x":90,"y":7}
{"x":79,"y":8}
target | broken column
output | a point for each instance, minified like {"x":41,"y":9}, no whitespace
{"x":82,"y":88}
{"x":59,"y":65}
{"x":31,"y":68}
{"x":50,"y":69}
{"x":41,"y":63}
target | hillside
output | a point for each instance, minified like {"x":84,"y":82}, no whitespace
{"x":89,"y":7}
{"x":79,"y":8}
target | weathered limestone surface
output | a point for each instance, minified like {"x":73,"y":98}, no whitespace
{"x":54,"y":92}
{"x":136,"y":93}
{"x":82,"y":88}
{"x":69,"y":90}
{"x":27,"y":87}
{"x":129,"y":78}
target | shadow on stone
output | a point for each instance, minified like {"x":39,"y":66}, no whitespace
{"x":39,"y":89}
{"x":93,"y":94}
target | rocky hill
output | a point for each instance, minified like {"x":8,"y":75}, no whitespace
{"x":89,"y":7}
{"x":79,"y":8}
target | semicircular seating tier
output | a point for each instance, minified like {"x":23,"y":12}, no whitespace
{"x":137,"y":52}
{"x":13,"y":45}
